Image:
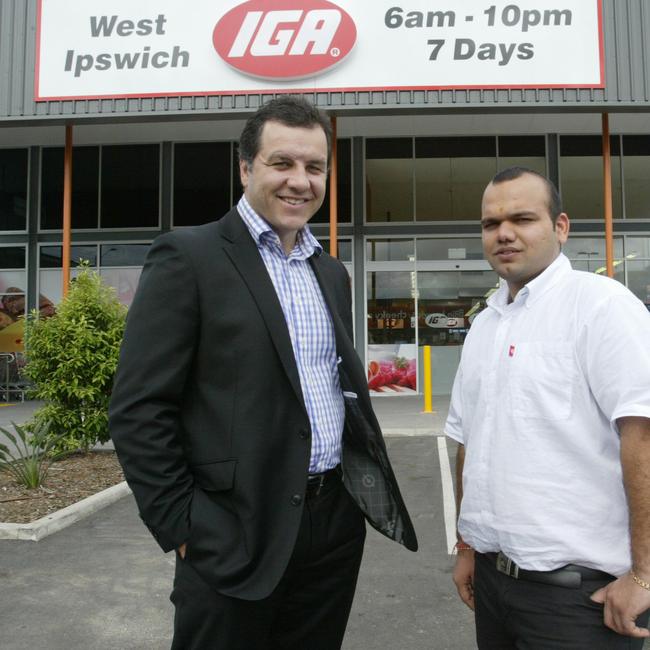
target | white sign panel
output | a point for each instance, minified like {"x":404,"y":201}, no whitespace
{"x":148,"y":48}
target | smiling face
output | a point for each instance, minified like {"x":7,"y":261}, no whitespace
{"x":286,"y":182}
{"x":519,"y":237}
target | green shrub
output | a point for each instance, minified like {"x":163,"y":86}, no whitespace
{"x":71,"y":358}
{"x":28,"y":462}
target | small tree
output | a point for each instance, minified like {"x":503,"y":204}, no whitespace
{"x":71,"y":358}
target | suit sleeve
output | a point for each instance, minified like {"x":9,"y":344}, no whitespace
{"x":144,"y":414}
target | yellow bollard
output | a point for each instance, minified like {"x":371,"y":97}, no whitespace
{"x":427,"y":379}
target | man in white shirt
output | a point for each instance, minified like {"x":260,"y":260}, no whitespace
{"x":551,"y":410}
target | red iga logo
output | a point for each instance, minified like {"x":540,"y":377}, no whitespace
{"x":276,"y":39}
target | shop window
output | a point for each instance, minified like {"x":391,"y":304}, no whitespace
{"x":12,"y":257}
{"x":390,"y":250}
{"x":449,"y":249}
{"x":202,"y":182}
{"x":85,"y":187}
{"x":392,"y":353}
{"x":638,"y":279}
{"x":389,"y":179}
{"x":581,"y":177}
{"x":522,"y":151}
{"x":130,"y":186}
{"x":51,"y":257}
{"x":450,"y":176}
{"x":636,"y":163}
{"x":50,"y":276}
{"x":343,"y":187}
{"x":13,"y":282}
{"x":13,"y":189}
{"x":123,"y":254}
{"x":589,"y":252}
{"x":344,"y":248}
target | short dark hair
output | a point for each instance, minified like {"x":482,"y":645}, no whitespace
{"x":554,"y":200}
{"x":290,"y":110}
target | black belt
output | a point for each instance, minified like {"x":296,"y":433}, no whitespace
{"x":323,"y":482}
{"x":569,"y":576}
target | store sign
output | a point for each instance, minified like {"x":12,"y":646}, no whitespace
{"x":147,"y":48}
{"x":284,"y":43}
{"x":442,"y":321}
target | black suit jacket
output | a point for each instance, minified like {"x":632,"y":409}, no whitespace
{"x":207,"y":413}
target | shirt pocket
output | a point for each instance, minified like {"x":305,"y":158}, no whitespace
{"x":542,"y":380}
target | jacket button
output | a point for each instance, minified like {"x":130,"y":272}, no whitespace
{"x":304,"y":434}
{"x":296,"y":500}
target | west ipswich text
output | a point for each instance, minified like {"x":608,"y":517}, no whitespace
{"x":110,"y":26}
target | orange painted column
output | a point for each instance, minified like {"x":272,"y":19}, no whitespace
{"x":607,"y":198}
{"x":333,"y":195}
{"x":67,"y":208}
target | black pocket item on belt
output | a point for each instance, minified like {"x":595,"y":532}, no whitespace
{"x":323,"y":482}
{"x":569,"y":576}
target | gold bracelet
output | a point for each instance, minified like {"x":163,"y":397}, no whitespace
{"x":639,"y":581}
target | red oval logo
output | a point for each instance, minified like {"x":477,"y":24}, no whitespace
{"x":277,"y":39}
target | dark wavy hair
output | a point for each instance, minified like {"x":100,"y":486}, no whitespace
{"x":289,"y":110}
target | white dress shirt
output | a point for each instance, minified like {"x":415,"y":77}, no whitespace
{"x":540,"y":385}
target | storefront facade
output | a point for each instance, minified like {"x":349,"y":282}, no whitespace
{"x":412,"y":158}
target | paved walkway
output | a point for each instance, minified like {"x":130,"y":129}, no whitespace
{"x":103,"y":583}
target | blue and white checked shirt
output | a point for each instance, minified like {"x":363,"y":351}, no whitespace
{"x":311,"y":331}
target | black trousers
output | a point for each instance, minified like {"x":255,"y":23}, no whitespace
{"x":522,"y":615}
{"x":310,"y":606}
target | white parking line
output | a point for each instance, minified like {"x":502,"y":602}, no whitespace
{"x":448,"y":500}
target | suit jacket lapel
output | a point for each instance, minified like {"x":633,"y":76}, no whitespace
{"x":353,"y":370}
{"x":344,"y":344}
{"x":243,"y":253}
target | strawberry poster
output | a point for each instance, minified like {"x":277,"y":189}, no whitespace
{"x":392,"y":369}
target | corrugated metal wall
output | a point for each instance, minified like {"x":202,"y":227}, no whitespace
{"x":627,"y":60}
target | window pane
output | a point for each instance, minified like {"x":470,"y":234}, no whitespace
{"x":130,"y":178}
{"x":344,"y":248}
{"x":123,"y":254}
{"x":13,"y":189}
{"x":389,"y":250}
{"x":389,"y":179}
{"x":523,"y":151}
{"x":124,"y":281}
{"x":392,"y":354}
{"x":590,"y":248}
{"x":451,"y":175}
{"x":581,"y":176}
{"x":343,"y":187}
{"x":636,"y":161}
{"x":12,"y":307}
{"x":637,"y":247}
{"x":51,"y":257}
{"x":12,"y":257}
{"x":638,"y":279}
{"x":50,"y":285}
{"x":201,"y":182}
{"x":449,"y":249}
{"x":85,"y":187}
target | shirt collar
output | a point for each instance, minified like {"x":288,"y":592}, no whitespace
{"x":264,"y":236}
{"x":537,"y":287}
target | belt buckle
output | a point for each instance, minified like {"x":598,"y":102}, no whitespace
{"x":315,"y":491}
{"x":507,"y":566}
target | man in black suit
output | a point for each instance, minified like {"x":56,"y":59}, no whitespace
{"x":241,"y":414}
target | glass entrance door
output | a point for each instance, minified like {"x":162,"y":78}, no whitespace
{"x":449,"y":296}
{"x":392,"y":347}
